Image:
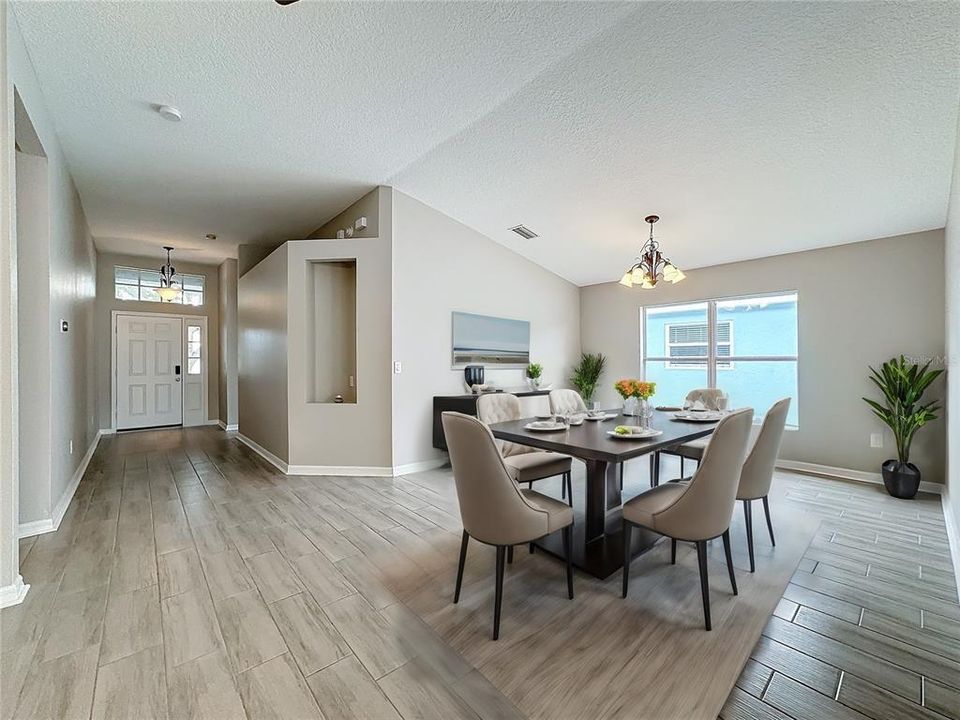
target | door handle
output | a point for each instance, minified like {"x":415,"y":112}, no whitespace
{"x":176,"y":371}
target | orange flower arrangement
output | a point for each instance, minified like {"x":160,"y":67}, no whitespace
{"x":635,"y":388}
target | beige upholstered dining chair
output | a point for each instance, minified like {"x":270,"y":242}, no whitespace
{"x":757,"y":473}
{"x":566,"y":401}
{"x":699,"y":510}
{"x":494,"y":510}
{"x":525,"y":464}
{"x":712,"y":399}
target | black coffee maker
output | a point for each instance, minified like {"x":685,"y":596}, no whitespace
{"x":473,"y":375}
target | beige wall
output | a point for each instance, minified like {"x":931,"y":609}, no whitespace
{"x":952,"y":265}
{"x":227,"y":376}
{"x":106,"y":304}
{"x":10,"y":580}
{"x":441,"y":265}
{"x":368,"y":206}
{"x":262,"y":357}
{"x":351,"y":434}
{"x":859,"y":305}
{"x":33,"y":338}
{"x":66,"y":378}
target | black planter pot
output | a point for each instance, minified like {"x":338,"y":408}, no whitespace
{"x":902,"y":480}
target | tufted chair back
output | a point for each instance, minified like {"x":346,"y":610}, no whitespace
{"x":710,"y":397}
{"x":566,"y":401}
{"x":501,"y":407}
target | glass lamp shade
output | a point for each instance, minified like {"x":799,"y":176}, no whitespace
{"x":168,"y":292}
{"x":627,"y":279}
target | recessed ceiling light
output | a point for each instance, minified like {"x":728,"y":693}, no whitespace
{"x":210,"y":236}
{"x":168,"y":112}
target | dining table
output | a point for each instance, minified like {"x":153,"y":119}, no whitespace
{"x":597,"y":545}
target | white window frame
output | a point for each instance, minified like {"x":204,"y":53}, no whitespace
{"x":139,"y":285}
{"x":692,"y":364}
{"x":711,"y":364}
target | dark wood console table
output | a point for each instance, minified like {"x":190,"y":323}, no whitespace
{"x":466,"y":404}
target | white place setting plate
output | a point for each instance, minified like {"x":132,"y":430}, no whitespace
{"x":604,"y":416}
{"x":698,"y":415}
{"x":636,"y":433}
{"x":545,"y":426}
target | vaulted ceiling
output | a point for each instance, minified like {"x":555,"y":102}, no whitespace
{"x":751,"y":128}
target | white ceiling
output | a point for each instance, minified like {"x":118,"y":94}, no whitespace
{"x":752,"y":129}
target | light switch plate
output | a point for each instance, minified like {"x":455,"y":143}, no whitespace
{"x":397,"y":367}
{"x":876,"y":440}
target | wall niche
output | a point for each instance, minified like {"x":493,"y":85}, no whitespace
{"x":332,"y":324}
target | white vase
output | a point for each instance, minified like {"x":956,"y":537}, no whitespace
{"x":631,"y":406}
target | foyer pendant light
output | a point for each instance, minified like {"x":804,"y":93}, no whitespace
{"x":651,"y":267}
{"x":168,"y":290}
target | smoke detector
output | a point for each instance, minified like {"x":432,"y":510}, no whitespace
{"x":168,"y":112}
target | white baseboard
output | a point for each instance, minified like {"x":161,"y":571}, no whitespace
{"x":953,"y":534}
{"x":829,"y":471}
{"x":51,"y":524}
{"x":264,"y":453}
{"x":228,"y":428}
{"x":13,"y":594}
{"x":422,"y":466}
{"x":346,"y":470}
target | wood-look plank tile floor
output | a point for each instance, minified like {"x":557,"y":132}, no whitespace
{"x":190,"y":579}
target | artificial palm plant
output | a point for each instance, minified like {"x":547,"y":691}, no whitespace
{"x":586,"y":374}
{"x":903,"y":385}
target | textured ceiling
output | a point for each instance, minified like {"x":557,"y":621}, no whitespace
{"x":752,"y":129}
{"x":289,"y":114}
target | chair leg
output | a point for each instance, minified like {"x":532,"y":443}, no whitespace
{"x":621,"y":472}
{"x":563,"y":486}
{"x":626,"y":556}
{"x":498,"y":597}
{"x":704,"y":583}
{"x":673,"y":551}
{"x":510,"y":555}
{"x":463,"y":559}
{"x":748,"y":521}
{"x":766,"y":511}
{"x":570,"y":489}
{"x":681,"y":467}
{"x":567,"y":534}
{"x":531,"y":548}
{"x":656,"y":469}
{"x":726,"y":551}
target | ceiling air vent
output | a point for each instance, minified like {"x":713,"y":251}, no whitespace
{"x":524,"y":232}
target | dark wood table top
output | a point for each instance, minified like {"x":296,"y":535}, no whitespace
{"x":591,"y":442}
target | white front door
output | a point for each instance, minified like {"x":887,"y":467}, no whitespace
{"x":149,"y":371}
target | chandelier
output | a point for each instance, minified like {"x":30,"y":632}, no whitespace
{"x":168,"y":290}
{"x":651,"y":267}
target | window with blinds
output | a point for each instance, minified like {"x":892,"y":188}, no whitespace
{"x":687,"y":345}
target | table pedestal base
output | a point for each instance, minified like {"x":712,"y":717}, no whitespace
{"x":603,"y":556}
